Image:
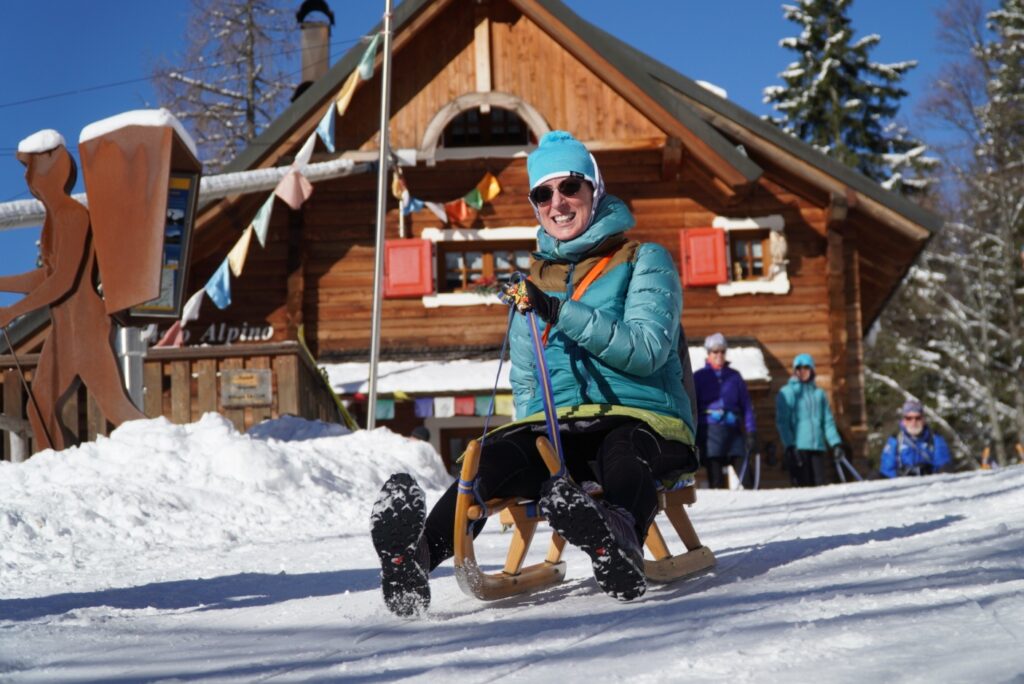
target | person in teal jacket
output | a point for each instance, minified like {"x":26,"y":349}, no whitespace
{"x":805,"y":425}
{"x":611,"y":309}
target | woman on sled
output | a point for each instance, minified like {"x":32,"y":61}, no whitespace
{"x":616,"y":379}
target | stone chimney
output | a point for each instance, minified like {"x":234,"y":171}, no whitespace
{"x":315,"y":42}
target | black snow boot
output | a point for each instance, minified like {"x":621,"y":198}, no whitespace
{"x":604,"y":532}
{"x":396,"y":527}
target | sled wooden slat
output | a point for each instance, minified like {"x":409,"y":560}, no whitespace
{"x":656,"y":543}
{"x":674,"y":567}
{"x":522,"y":535}
{"x":524,"y":517}
{"x":684,"y":528}
{"x":491,"y":586}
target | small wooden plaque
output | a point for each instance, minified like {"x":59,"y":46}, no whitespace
{"x":248,"y":387}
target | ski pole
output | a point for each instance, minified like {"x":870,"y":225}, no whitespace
{"x":28,"y":390}
{"x":743,"y":469}
{"x":853,"y":471}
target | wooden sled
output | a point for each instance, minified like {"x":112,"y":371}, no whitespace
{"x":523,"y":517}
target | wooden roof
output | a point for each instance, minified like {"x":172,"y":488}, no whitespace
{"x":733,"y":145}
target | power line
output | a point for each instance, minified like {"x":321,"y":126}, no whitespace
{"x":117,"y":84}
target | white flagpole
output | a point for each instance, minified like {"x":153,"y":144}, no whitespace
{"x":382,"y":186}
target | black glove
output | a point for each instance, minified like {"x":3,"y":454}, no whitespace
{"x":750,"y":442}
{"x":838,"y":452}
{"x":545,"y":306}
{"x":789,"y":458}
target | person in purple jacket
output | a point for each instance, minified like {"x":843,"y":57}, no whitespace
{"x":726,"y":429}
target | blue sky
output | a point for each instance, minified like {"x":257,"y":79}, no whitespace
{"x":80,"y":48}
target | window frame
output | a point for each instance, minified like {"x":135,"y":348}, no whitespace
{"x":489,"y":250}
{"x":749,"y":236}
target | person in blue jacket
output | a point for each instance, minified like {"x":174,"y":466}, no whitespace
{"x":726,"y":429}
{"x":616,"y":379}
{"x":806,"y":427}
{"x":915,"y":449}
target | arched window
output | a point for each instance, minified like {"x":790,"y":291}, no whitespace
{"x":473,"y":128}
{"x":508,"y":121}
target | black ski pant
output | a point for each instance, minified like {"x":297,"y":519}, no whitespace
{"x":624,"y":455}
{"x":717,"y":478}
{"x":811,"y":469}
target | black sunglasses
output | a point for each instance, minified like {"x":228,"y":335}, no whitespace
{"x":542,"y":194}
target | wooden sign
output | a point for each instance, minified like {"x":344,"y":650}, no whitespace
{"x":250,"y":387}
{"x":142,"y":180}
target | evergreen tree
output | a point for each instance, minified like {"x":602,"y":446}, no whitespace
{"x":953,"y":333}
{"x":233,"y":77}
{"x":838,"y":100}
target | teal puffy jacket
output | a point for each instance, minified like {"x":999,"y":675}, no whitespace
{"x":619,"y":343}
{"x":803,"y":417}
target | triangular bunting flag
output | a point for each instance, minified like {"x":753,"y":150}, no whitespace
{"x":457,"y":210}
{"x":325,"y":129}
{"x":236,"y":257}
{"x":190,"y":311}
{"x":411,"y":204}
{"x":261,"y":222}
{"x":345,"y":94}
{"x":397,"y":186}
{"x":474,"y":199}
{"x":366,"y":61}
{"x":219,"y":286}
{"x":174,"y":337}
{"x":438,"y":210}
{"x":488,"y":187}
{"x":305,"y":152}
{"x":294,"y":189}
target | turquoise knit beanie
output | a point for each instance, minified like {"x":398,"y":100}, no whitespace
{"x":559,"y":154}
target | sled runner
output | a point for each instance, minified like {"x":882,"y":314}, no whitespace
{"x":524,"y":516}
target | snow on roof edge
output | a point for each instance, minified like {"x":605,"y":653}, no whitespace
{"x":477,"y":376}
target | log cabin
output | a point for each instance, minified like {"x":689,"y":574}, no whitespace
{"x":778,"y":247}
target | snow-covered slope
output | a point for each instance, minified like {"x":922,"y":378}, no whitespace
{"x":195,"y":553}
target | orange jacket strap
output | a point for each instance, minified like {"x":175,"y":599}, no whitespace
{"x":584,"y":284}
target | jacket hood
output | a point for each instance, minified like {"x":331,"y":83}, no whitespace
{"x":611,"y":218}
{"x":804,"y":360}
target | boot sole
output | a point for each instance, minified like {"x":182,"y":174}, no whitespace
{"x":575,"y":516}
{"x":396,"y":525}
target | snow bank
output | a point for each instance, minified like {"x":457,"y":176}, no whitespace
{"x":158,"y":488}
{"x":193,"y":553}
{"x":294,"y":429}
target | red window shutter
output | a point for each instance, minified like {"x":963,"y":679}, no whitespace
{"x":702,"y":254}
{"x":408,"y":268}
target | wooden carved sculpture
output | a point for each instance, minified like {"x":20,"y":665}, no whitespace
{"x":80,"y":342}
